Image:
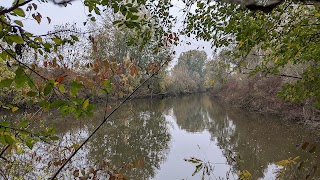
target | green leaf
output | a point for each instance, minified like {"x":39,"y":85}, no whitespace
{"x":116,"y":22}
{"x":73,"y":91}
{"x":19,"y":12}
{"x":47,"y":45}
{"x":317,"y":104}
{"x":57,"y":40}
{"x":74,"y":37}
{"x":2,"y":140}
{"x":134,"y":17}
{"x":5,"y":107}
{"x":85,"y":104}
{"x":23,"y":124}
{"x":58,"y":103}
{"x":30,"y":83}
{"x":5,"y":124}
{"x":8,"y":139}
{"x":20,"y":81}
{"x":19,"y":23}
{"x":76,"y":84}
{"x":48,"y":88}
{"x":107,"y":83}
{"x":14,"y":109}
{"x":134,"y":9}
{"x":32,"y":93}
{"x":19,"y":72}
{"x":54,"y":138}
{"x":62,"y":89}
{"x":29,"y":144}
{"x":6,"y":82}
{"x":115,"y":8}
{"x":39,"y":39}
{"x":16,"y":38}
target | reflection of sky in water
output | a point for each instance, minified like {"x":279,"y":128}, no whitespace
{"x":165,"y":132}
{"x":186,"y":145}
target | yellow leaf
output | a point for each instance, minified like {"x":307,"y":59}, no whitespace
{"x":245,"y":175}
{"x":14,"y":109}
{"x":296,"y":158}
{"x":282,"y":162}
{"x":317,"y":14}
{"x":85,"y":104}
{"x":240,"y":43}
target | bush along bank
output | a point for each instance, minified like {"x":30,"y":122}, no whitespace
{"x":261,"y":94}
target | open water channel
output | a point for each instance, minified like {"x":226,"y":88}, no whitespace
{"x":158,"y":134}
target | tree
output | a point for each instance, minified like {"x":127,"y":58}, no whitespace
{"x":284,"y":37}
{"x":218,"y":69}
{"x":193,"y":60}
{"x":188,"y":73}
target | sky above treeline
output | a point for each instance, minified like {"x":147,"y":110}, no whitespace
{"x":77,"y":13}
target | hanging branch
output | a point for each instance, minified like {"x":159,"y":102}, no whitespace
{"x":17,"y":5}
{"x":276,"y":74}
{"x":25,"y":65}
{"x":105,"y":120}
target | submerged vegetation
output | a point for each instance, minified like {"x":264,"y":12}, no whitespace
{"x":265,"y":58}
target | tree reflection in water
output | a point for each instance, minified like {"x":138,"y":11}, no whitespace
{"x":259,"y":140}
{"x":143,"y":135}
{"x":140,"y":131}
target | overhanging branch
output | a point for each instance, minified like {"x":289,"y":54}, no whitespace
{"x":5,"y":11}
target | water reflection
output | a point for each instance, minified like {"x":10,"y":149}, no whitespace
{"x":191,"y":113}
{"x":259,"y":140}
{"x":162,"y":133}
{"x":143,"y":135}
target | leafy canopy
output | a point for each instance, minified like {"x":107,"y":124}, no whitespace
{"x":285,"y":38}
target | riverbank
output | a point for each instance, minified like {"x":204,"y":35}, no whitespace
{"x":260,"y":94}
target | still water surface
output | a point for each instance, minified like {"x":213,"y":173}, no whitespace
{"x":162,"y":133}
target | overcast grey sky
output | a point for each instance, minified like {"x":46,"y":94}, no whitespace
{"x":76,"y":13}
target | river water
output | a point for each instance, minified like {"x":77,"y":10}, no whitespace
{"x":157,"y":135}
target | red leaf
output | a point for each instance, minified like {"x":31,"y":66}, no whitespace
{"x":107,"y":108}
{"x":59,"y":79}
{"x":139,"y":163}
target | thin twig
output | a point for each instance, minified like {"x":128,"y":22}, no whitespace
{"x":7,"y":146}
{"x":5,"y":11}
{"x":104,"y":121}
{"x":3,"y":174}
{"x":28,"y":132}
{"x":282,"y":75}
{"x":25,"y":65}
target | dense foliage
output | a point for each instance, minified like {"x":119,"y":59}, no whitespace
{"x":287,"y":37}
